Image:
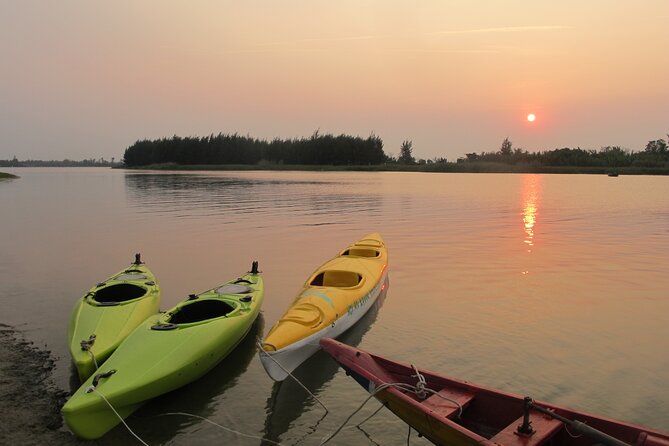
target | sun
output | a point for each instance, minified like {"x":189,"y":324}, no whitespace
{"x":531,"y":117}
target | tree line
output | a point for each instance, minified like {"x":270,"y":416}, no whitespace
{"x":90,"y":162}
{"x":655,"y":154}
{"x":236,"y":149}
{"x":345,"y":150}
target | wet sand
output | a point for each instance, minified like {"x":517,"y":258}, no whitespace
{"x":30,"y":407}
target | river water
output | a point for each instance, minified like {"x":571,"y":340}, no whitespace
{"x":554,"y":286}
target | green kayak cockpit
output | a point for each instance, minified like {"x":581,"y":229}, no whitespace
{"x":116,"y":294}
{"x":201,"y":310}
{"x":195,"y":312}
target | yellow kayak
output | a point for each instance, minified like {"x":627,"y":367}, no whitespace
{"x":334,"y":298}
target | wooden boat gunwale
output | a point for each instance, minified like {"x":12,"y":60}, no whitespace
{"x":372,"y":372}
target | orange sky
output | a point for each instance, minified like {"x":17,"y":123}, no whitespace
{"x":82,"y":79}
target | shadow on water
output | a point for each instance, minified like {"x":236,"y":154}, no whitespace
{"x":289,"y":401}
{"x":197,"y":398}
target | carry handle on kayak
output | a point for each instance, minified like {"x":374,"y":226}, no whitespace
{"x":97,"y":379}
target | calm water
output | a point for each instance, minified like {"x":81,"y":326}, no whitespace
{"x":554,"y":286}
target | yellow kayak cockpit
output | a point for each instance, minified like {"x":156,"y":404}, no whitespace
{"x":361,"y":252}
{"x":337,"y":279}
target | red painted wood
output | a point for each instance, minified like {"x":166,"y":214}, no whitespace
{"x":544,"y":429}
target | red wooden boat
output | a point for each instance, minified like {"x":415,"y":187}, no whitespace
{"x":452,"y":412}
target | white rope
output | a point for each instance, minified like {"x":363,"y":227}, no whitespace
{"x":221,"y":426}
{"x":372,"y":395}
{"x":369,"y":417}
{"x":570,"y":434}
{"x":259,"y":343}
{"x":93,"y":389}
{"x":421,"y":393}
{"x":117,"y":414}
{"x":416,"y":390}
{"x":94,"y":360}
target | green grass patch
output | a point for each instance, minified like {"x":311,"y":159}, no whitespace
{"x":7,"y":176}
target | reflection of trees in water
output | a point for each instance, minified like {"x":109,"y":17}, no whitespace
{"x":188,"y":195}
{"x":289,"y":400}
{"x":198,"y":398}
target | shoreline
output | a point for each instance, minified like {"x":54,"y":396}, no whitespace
{"x":31,"y":402}
{"x":427,"y":168}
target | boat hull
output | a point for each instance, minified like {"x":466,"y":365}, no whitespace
{"x":108,"y":313}
{"x":164,"y":353}
{"x":455,"y":412}
{"x":331,"y":301}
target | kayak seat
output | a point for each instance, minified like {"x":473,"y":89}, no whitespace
{"x":304,"y":314}
{"x":440,"y":404}
{"x":201,"y":310}
{"x":359,"y":252}
{"x":337,"y":279}
{"x":544,"y":427}
{"x":121,"y":292}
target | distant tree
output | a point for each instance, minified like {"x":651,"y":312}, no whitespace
{"x":658,"y":146}
{"x":614,"y":156}
{"x":406,"y":156}
{"x":506,"y":149}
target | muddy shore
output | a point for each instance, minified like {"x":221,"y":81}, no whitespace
{"x":31,"y":403}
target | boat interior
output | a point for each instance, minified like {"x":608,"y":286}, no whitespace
{"x":117,"y":293}
{"x":337,"y":279}
{"x":201,"y":310}
{"x":499,"y":416}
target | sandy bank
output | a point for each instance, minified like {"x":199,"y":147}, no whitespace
{"x":30,"y":402}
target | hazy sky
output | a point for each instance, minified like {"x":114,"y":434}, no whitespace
{"x":82,"y":79}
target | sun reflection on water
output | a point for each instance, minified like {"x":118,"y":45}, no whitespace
{"x":530,"y":201}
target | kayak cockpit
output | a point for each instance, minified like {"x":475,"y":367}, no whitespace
{"x":361,"y":252}
{"x":201,"y":310}
{"x":337,"y":279}
{"x":117,"y":293}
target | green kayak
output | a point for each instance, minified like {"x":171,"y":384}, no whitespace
{"x":167,"y":351}
{"x":108,"y":313}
